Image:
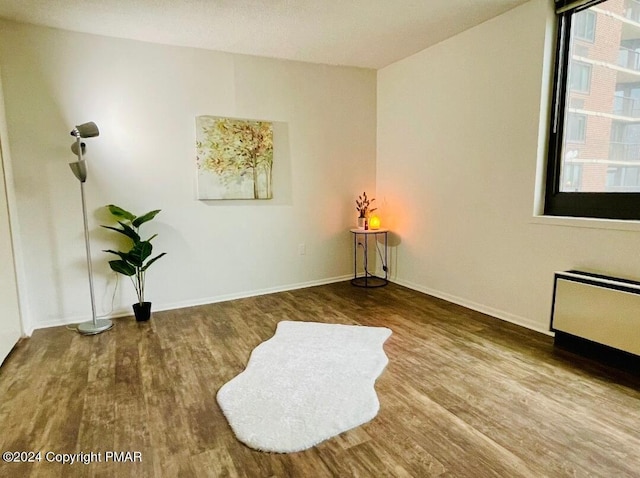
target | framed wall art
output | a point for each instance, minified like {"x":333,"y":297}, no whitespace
{"x":234,"y":158}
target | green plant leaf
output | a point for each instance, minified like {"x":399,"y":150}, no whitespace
{"x":122,"y":255}
{"x":126,"y":230}
{"x":151,"y":261}
{"x":144,"y":218}
{"x":139,"y":252}
{"x":122,"y":267}
{"x":152,"y":237}
{"x":120,"y":213}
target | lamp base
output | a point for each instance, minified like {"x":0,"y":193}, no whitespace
{"x":89,"y":328}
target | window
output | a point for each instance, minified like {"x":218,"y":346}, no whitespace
{"x":572,"y":176}
{"x":632,"y":10}
{"x":627,"y":101}
{"x":580,"y":77}
{"x":593,"y":166}
{"x":623,"y":178}
{"x":576,"y":128}
{"x":585,"y":25}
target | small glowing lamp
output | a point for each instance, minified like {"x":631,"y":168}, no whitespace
{"x":374,"y":222}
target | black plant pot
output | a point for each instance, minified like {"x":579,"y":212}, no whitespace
{"x":142,"y":311}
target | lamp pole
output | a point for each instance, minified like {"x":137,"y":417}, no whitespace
{"x":79,"y":168}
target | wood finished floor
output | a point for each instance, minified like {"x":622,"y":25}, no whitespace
{"x":464,"y":395}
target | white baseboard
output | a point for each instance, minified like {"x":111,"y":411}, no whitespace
{"x":193,"y":303}
{"x":499,"y":314}
{"x":27,"y":332}
{"x":252,"y":293}
{"x":76,"y":320}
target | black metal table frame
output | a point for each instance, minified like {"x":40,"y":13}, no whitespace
{"x":369,"y":280}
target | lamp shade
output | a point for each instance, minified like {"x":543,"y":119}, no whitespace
{"x":79,"y":169}
{"x":75,"y":150}
{"x":86,"y":130}
{"x":374,"y":222}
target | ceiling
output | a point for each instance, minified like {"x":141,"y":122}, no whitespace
{"x":362,"y":33}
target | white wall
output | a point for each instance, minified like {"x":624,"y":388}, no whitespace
{"x":10,"y":321}
{"x":461,"y":149}
{"x":461,"y":132}
{"x":145,"y":98}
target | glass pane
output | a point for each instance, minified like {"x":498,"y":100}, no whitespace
{"x":601,"y":143}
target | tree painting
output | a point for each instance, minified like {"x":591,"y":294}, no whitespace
{"x":234,"y":158}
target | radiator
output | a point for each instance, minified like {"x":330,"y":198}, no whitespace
{"x":599,"y":308}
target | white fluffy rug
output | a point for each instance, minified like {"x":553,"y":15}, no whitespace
{"x":309,"y":382}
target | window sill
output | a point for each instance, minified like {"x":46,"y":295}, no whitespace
{"x":589,"y":223}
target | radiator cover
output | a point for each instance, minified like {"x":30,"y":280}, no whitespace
{"x":599,"y":308}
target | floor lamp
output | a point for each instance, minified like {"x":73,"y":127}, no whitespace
{"x":79,"y":168}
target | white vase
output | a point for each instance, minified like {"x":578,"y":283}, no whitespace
{"x":361,"y":221}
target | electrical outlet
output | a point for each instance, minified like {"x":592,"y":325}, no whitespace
{"x":302,"y":249}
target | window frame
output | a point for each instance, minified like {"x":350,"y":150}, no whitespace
{"x":599,"y":205}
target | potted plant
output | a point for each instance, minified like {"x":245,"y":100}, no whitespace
{"x":134,"y":262}
{"x":363,"y":206}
